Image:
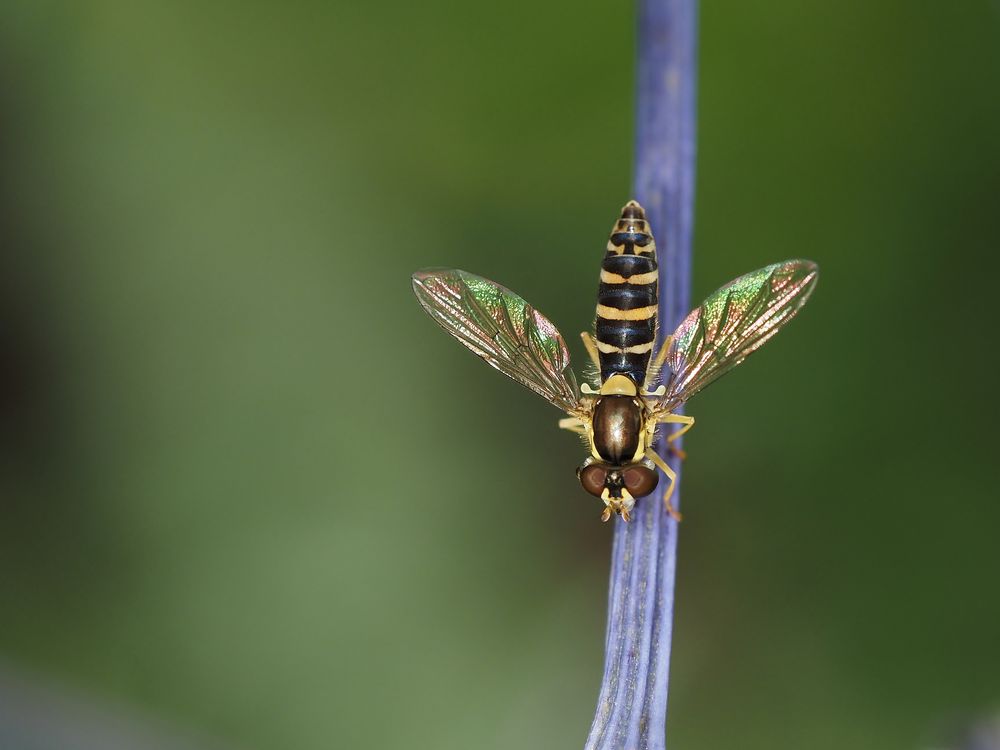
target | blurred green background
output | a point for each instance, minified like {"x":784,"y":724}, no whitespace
{"x":250,"y":489}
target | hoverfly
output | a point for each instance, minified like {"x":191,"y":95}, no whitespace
{"x":634,"y":392}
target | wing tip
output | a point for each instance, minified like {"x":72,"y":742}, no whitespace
{"x":811,"y":274}
{"x":417,"y":282}
{"x":422,"y":274}
{"x":805,"y":273}
{"x":804,"y":264}
{"x":419,"y":279}
{"x":810,"y":266}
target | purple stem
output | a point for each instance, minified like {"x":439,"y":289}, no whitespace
{"x":632,"y":707}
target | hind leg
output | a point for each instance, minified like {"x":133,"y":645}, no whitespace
{"x":589,"y":343}
{"x":653,"y":371}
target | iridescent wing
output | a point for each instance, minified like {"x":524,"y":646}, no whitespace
{"x":732,"y":323}
{"x":501,"y":328}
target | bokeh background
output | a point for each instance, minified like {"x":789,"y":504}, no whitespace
{"x":250,"y":494}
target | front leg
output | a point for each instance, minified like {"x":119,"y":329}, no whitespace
{"x":671,"y":476}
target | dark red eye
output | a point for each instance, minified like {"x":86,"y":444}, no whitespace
{"x":640,"y":480}
{"x":592,"y":478}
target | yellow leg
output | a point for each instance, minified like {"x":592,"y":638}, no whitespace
{"x":688,"y":423}
{"x":672,"y":476}
{"x":573,"y":424}
{"x":683,"y":419}
{"x":653,"y":371}
{"x":588,"y":341}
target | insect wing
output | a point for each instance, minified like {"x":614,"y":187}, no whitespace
{"x":734,"y":322}
{"x":501,"y":328}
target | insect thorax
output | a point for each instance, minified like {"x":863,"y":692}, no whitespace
{"x":618,"y":429}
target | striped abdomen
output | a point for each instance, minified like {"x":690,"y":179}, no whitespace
{"x":626,"y":299}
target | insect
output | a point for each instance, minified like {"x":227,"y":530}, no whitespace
{"x":634,"y":392}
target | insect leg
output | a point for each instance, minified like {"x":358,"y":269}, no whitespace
{"x":688,"y":423}
{"x":588,"y":341}
{"x":683,"y":419}
{"x":672,"y":476}
{"x":573,"y":424}
{"x":653,"y":371}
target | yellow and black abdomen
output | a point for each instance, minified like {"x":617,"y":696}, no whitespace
{"x":626,"y":299}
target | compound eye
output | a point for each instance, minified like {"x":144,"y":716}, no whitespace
{"x":592,"y":478}
{"x":640,"y":480}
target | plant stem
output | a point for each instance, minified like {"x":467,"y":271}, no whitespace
{"x":632,"y":707}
